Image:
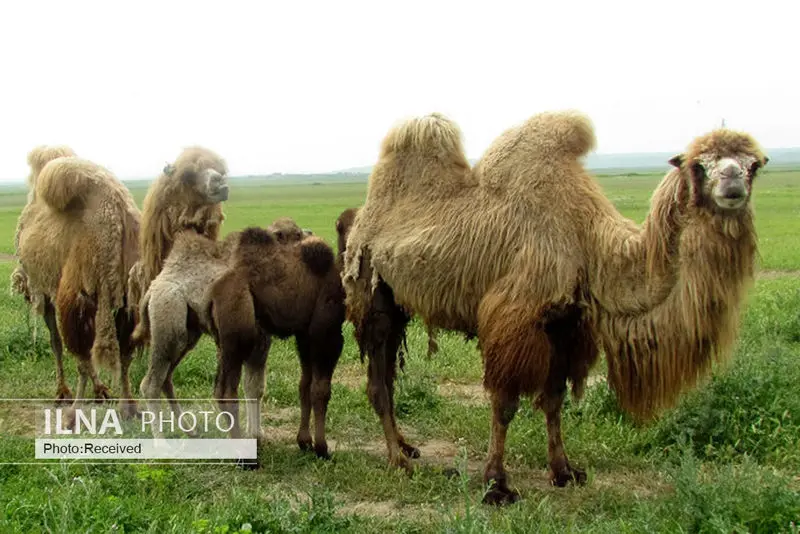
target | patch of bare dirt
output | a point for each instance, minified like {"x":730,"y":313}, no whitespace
{"x":350,"y":376}
{"x":470,"y":394}
{"x":771,"y":274}
{"x":282,"y":415}
{"x":643,"y":484}
{"x":6,"y":257}
{"x":279,"y":434}
{"x":370,"y":508}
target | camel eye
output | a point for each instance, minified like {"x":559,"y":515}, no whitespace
{"x":699,"y":171}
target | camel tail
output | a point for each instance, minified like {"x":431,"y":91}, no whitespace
{"x":431,"y":137}
{"x":65,"y":183}
{"x":142,"y":331}
{"x":560,"y":134}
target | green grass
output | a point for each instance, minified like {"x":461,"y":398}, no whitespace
{"x":725,"y":460}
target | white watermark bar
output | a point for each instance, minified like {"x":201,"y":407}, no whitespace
{"x":146,"y":449}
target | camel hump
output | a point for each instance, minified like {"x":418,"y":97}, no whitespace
{"x":254,"y":236}
{"x":317,"y":255}
{"x":42,"y":155}
{"x":66,"y":182}
{"x":429,"y":136}
{"x":560,"y":134}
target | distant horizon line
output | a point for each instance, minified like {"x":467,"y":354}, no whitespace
{"x":364,"y":169}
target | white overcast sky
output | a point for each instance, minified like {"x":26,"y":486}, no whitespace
{"x":297,"y":86}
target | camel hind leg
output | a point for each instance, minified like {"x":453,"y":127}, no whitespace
{"x":63,"y":393}
{"x":255,"y":383}
{"x":383,"y":331}
{"x":304,"y":440}
{"x":326,"y":350}
{"x":170,"y":340}
{"x":75,"y":314}
{"x":125,"y":323}
{"x":232,"y":312}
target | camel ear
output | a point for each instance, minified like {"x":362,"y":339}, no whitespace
{"x":169,"y":169}
{"x":676,"y":161}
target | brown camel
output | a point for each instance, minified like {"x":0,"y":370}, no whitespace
{"x":76,"y":239}
{"x":525,"y":251}
{"x":281,"y":289}
{"x":173,"y":310}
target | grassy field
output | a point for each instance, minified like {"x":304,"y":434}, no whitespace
{"x":727,"y":459}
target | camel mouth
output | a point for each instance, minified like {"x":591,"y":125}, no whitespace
{"x":222,"y":194}
{"x":731,"y":202}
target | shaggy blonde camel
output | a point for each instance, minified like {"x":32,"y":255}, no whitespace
{"x":174,"y":307}
{"x":76,"y":240}
{"x":525,"y":251}
{"x":187,"y":195}
{"x":40,"y":303}
{"x":281,"y":289}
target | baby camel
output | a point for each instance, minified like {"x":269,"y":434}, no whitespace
{"x":282,"y":289}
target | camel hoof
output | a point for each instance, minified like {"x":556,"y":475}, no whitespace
{"x":63,"y":396}
{"x":248,"y":465}
{"x":567,"y":475}
{"x":500,"y":495}
{"x":102,"y":394}
{"x":129,"y":410}
{"x":322,"y":451}
{"x":409,"y":450}
{"x":401,"y":461}
{"x":305,"y":443}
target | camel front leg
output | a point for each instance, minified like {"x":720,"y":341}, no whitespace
{"x":504,"y":408}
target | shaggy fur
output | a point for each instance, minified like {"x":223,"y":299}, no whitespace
{"x":174,"y":309}
{"x":526,"y":251}
{"x":187,"y":195}
{"x":77,"y":240}
{"x":283,"y":289}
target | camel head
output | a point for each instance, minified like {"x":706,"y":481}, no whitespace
{"x":721,"y":167}
{"x":203,"y":173}
{"x":287,"y":231}
{"x":343,"y":225}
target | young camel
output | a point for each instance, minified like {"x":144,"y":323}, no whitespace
{"x":526,"y":251}
{"x":173,"y":310}
{"x":281,"y":289}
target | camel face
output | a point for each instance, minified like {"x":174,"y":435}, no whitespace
{"x":287,"y":231}
{"x":726,"y":182}
{"x":213,"y":186}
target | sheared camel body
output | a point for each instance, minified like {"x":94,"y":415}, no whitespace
{"x":525,"y":251}
{"x":76,"y":240}
{"x":174,"y":308}
{"x":282,"y":289}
